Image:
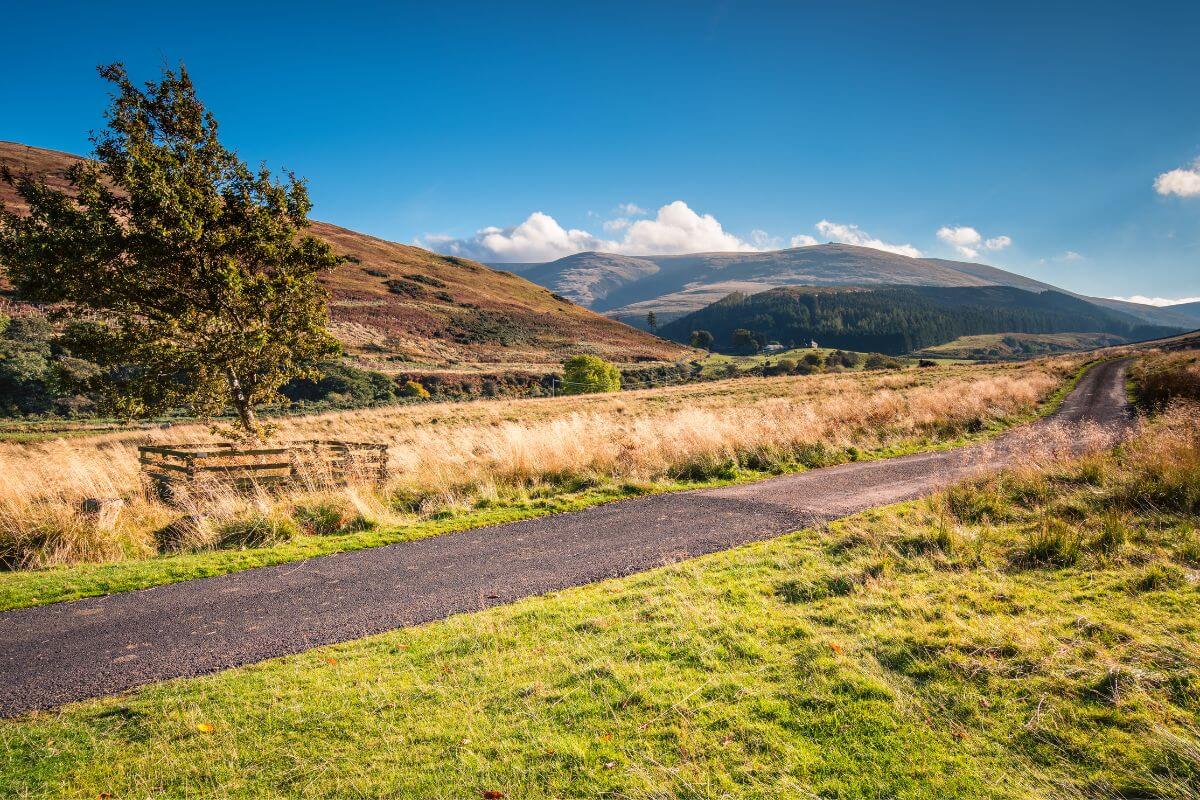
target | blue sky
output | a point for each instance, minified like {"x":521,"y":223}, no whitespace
{"x":1041,"y":128}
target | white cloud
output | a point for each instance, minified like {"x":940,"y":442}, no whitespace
{"x":539,"y":238}
{"x":631,"y":210}
{"x":1156,"y":301}
{"x":964,"y":239}
{"x":803,"y":240}
{"x":852,"y":234}
{"x":967,"y":240}
{"x":679,"y":229}
{"x":675,"y":229}
{"x":1070,"y":255}
{"x":1184,"y":182}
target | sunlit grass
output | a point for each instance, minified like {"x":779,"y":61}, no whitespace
{"x":912,"y":651}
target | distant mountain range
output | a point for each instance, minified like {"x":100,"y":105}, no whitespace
{"x":402,"y":307}
{"x":627,"y":287}
{"x":898,"y":319}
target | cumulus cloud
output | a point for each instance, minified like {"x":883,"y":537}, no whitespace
{"x":1156,"y":301}
{"x":803,"y":240}
{"x":675,"y":229}
{"x":964,"y":239}
{"x":1183,"y":182}
{"x":539,"y":238}
{"x":967,"y":240}
{"x":852,"y":234}
{"x":679,"y":229}
{"x":631,"y":210}
{"x":1070,"y":255}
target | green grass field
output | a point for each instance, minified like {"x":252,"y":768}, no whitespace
{"x":1033,"y":635}
{"x":1002,"y":346}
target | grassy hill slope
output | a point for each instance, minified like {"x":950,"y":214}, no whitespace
{"x":404,"y":306}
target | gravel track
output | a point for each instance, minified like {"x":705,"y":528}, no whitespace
{"x":55,"y":654}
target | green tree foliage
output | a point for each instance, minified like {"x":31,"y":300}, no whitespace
{"x":652,"y":322}
{"x":745,"y":340}
{"x":38,"y":373}
{"x":897,"y":319}
{"x":198,"y":266}
{"x":589,"y":374}
{"x":702,"y":339}
{"x":343,"y":386}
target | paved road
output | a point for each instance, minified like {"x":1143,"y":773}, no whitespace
{"x":101,"y":646}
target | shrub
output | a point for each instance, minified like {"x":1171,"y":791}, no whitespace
{"x":413,"y":389}
{"x":880,"y":361}
{"x":589,"y":374}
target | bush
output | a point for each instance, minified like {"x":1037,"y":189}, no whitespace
{"x":589,"y":374}
{"x":880,"y":361}
{"x":413,"y":389}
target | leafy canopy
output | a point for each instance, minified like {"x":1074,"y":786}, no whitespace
{"x":588,"y":374}
{"x":198,"y":266}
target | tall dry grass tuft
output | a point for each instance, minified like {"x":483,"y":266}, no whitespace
{"x":447,"y":454}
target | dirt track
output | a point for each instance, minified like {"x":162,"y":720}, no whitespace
{"x":101,"y":646}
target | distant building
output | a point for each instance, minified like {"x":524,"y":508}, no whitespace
{"x":813,"y":344}
{"x":773,"y":347}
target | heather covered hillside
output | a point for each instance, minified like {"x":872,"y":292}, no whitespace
{"x":399,"y":307}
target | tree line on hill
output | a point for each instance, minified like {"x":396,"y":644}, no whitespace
{"x":893,"y":320}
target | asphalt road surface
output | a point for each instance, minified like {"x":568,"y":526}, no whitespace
{"x":60,"y":653}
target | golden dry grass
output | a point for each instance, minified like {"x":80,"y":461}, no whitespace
{"x":444,"y":454}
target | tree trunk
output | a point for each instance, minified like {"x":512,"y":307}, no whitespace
{"x":241,"y":404}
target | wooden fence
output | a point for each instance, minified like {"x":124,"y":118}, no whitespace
{"x":173,"y":471}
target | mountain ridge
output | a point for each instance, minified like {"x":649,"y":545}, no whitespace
{"x":682,"y":284}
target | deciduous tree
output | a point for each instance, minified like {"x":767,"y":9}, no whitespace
{"x":198,"y":266}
